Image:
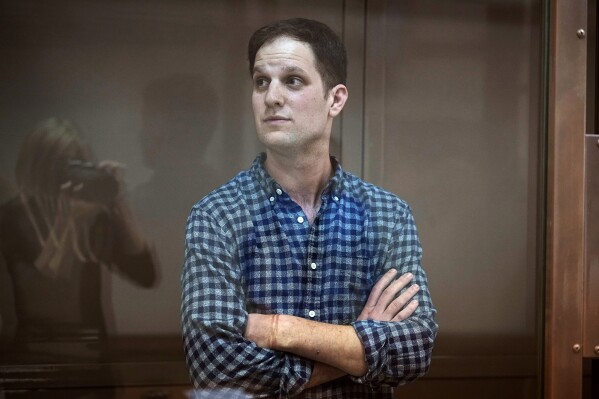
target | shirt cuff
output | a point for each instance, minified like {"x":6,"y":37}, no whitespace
{"x":297,"y":375}
{"x":373,"y":335}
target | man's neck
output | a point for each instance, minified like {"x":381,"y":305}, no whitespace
{"x":302,"y":177}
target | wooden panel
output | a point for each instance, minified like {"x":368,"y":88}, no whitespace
{"x":471,"y":388}
{"x":148,"y":392}
{"x":565,"y":240}
{"x":471,"y":367}
{"x":130,"y":361}
{"x":151,"y":363}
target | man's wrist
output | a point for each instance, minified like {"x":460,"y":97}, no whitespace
{"x":282,"y":328}
{"x":274,"y":329}
{"x":335,"y":345}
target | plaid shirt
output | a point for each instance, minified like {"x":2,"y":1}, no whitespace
{"x":250,"y":249}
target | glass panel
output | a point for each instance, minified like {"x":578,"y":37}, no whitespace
{"x":462,"y":102}
{"x":161,"y":88}
{"x":460,"y":143}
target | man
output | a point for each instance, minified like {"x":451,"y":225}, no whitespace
{"x":279,"y":293}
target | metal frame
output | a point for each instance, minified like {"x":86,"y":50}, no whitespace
{"x":565,"y":199}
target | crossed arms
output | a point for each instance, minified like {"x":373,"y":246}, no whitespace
{"x":389,"y":343}
{"x":336,"y":349}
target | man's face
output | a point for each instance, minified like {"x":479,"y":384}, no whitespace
{"x":290,"y":108}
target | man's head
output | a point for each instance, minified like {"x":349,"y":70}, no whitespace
{"x":329,"y":51}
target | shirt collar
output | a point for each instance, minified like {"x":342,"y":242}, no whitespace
{"x":333,"y":188}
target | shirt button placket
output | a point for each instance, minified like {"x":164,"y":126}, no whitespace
{"x":314,"y":271}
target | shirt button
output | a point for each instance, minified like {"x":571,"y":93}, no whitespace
{"x":279,"y":191}
{"x":335,"y":198}
{"x":311,"y":313}
{"x":272,"y":199}
{"x":313,"y":266}
{"x":300,"y":219}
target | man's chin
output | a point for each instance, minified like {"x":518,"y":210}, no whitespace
{"x":277,"y":138}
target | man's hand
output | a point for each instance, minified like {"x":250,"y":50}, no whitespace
{"x":382,"y":303}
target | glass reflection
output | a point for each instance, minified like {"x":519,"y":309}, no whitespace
{"x":178,"y":123}
{"x":69,"y":220}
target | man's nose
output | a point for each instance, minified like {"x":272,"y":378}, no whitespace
{"x":274,"y":94}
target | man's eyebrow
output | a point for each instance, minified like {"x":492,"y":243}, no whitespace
{"x":286,"y":68}
{"x":293,"y":68}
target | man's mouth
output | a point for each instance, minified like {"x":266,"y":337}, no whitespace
{"x":275,"y":119}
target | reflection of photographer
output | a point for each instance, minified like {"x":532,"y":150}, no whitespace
{"x":91,"y":182}
{"x":69,"y":220}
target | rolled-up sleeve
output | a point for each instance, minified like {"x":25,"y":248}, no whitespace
{"x":214,"y":319}
{"x":399,"y":352}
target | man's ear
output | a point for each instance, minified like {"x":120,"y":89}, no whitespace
{"x":339,"y":95}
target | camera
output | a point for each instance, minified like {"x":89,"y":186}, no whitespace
{"x":97,"y":184}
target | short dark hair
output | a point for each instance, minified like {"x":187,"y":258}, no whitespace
{"x":329,"y":51}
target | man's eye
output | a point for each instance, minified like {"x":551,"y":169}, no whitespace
{"x":260,"y":83}
{"x":294,"y":81}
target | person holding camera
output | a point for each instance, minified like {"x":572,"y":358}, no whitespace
{"x":69,"y":219}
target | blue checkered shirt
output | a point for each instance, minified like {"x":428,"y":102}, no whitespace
{"x":250,"y":249}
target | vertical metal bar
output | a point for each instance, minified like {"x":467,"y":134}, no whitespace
{"x":591,"y":37}
{"x":352,"y":118}
{"x":591,"y":300}
{"x":374,"y":92}
{"x":542,"y":195}
{"x":565,"y":194}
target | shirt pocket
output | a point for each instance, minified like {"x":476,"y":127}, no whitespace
{"x":348,"y":288}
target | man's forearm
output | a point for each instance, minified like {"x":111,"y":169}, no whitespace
{"x":334,"y":345}
{"x":323,"y":373}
